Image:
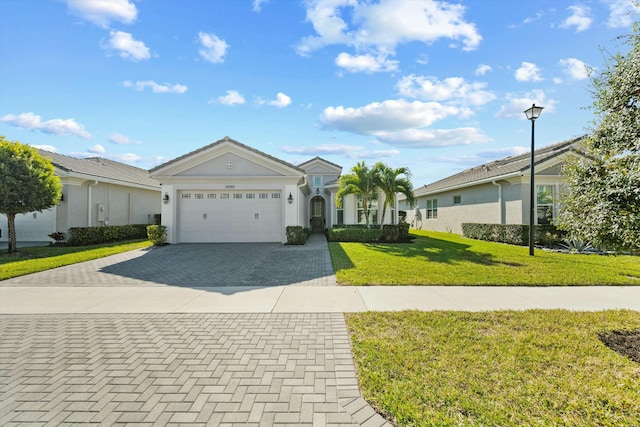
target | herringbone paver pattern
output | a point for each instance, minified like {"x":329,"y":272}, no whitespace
{"x":199,"y":265}
{"x":164,"y":369}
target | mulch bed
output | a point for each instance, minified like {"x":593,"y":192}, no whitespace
{"x":626,"y":343}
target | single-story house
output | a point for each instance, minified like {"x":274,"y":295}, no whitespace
{"x":95,"y":192}
{"x":230,"y":192}
{"x":493,"y":193}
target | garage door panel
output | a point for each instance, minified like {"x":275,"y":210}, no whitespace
{"x":229,"y":217}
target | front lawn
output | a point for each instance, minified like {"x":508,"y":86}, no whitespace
{"x":39,"y":258}
{"x":540,"y":367}
{"x":448,"y":259}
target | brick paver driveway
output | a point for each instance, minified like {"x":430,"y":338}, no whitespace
{"x":199,"y":265}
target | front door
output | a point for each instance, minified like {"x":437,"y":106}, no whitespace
{"x":318,"y":223}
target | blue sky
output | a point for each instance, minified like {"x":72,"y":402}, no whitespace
{"x":435,"y":86}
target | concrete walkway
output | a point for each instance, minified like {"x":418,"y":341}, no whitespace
{"x":199,"y":335}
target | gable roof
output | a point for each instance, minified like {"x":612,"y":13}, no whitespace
{"x":500,"y":169}
{"x":98,"y":167}
{"x":319,"y":159}
{"x":224,"y":140}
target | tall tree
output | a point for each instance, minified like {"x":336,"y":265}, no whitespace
{"x":602,"y":204}
{"x":390,"y":182}
{"x":27,"y":183}
{"x":361,"y":182}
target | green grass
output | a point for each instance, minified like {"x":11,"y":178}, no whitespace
{"x":40,"y":258}
{"x":540,"y":367}
{"x":448,"y":259}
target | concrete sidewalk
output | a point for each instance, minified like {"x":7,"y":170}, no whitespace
{"x":309,"y":299}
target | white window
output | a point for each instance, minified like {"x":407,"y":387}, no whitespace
{"x":229,"y":164}
{"x":237,"y":196}
{"x":264,"y":195}
{"x":199,"y":196}
{"x":275,"y":195}
{"x":432,"y":209}
{"x":251,"y":195}
{"x":373,"y":211}
{"x":224,"y":195}
{"x":545,"y":199}
{"x":317,"y":181}
{"x":185,"y":196}
{"x":211,"y":196}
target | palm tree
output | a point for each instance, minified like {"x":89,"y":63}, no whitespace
{"x":388,"y":181}
{"x":362,"y":183}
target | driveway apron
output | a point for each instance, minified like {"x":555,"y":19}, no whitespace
{"x":258,"y":369}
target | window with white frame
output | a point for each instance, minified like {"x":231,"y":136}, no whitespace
{"x":545,"y":200}
{"x":340,"y":213}
{"x":185,"y":196}
{"x":317,"y":181}
{"x":432,"y":208}
{"x":373,"y":211}
{"x":457,"y":200}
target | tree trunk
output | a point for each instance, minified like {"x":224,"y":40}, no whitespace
{"x":11,"y":220}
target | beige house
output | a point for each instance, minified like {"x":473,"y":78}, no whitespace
{"x":493,"y":193}
{"x":95,"y":192}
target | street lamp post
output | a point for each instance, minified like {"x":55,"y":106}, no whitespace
{"x":532,"y":114}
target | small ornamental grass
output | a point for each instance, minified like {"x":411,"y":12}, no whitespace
{"x":448,"y":259}
{"x":539,"y":367}
{"x":40,"y":258}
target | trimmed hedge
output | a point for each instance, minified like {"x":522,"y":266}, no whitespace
{"x":360,"y":233}
{"x":296,"y":235}
{"x":81,"y":236}
{"x":513,"y":234}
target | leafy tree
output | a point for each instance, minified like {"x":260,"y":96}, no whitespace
{"x":602,"y":204}
{"x":388,"y":180}
{"x":362,"y":183}
{"x":27,"y":183}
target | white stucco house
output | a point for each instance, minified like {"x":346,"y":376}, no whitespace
{"x":493,"y":193}
{"x":230,"y":192}
{"x":95,"y":192}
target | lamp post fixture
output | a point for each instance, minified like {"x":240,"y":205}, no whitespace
{"x":532,"y":114}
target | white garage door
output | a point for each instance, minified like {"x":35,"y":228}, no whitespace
{"x":233,"y":216}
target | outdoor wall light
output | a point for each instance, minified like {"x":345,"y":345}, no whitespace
{"x":290,"y":198}
{"x":317,"y":191}
{"x":165,"y":198}
{"x":532,"y":114}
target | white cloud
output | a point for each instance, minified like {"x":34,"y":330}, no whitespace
{"x":575,"y":68}
{"x":516,"y":105}
{"x":156,"y":87}
{"x":103,"y":12}
{"x":528,"y":72}
{"x":580,"y":18}
{"x":375,"y":29}
{"x":365,"y":63}
{"x":97,"y":149}
{"x":281,"y":100}
{"x":428,"y":138}
{"x":257,"y":5}
{"x":49,"y":148}
{"x":34,"y":122}
{"x":453,"y":89}
{"x":127,"y":46}
{"x":483,"y":69}
{"x":233,"y":97}
{"x":349,"y":151}
{"x":390,"y":115}
{"x":213,"y":49}
{"x":472,"y":160}
{"x":119,"y":139}
{"x":622,"y":13}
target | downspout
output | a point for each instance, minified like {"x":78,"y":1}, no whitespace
{"x":499,"y":200}
{"x":89,"y":204}
{"x":304,"y":183}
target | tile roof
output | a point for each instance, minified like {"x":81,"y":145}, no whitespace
{"x":225,"y":139}
{"x":507,"y":166}
{"x":101,"y":168}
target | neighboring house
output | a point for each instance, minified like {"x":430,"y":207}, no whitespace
{"x":493,"y":193}
{"x":95,"y":192}
{"x":230,"y":192}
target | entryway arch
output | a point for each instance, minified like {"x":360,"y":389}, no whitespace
{"x":318,"y":215}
